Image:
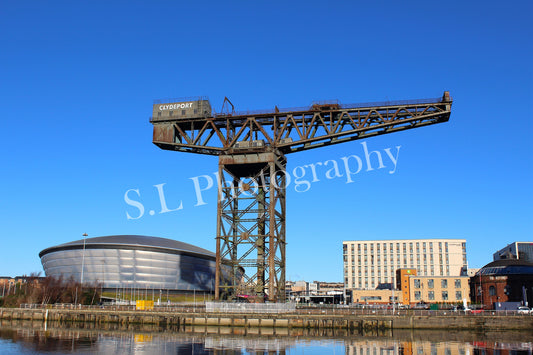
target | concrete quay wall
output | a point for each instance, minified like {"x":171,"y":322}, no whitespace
{"x":287,"y":320}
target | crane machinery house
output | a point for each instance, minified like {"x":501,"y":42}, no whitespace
{"x":181,"y":108}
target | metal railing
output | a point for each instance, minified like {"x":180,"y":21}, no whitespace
{"x":180,"y":99}
{"x":343,"y":106}
{"x":226,"y":307}
{"x":235,"y":307}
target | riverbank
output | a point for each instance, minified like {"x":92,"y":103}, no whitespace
{"x":35,"y":337}
{"x":298,"y":319}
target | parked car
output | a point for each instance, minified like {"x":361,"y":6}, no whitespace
{"x":524,"y":310}
{"x":461,"y":308}
{"x":421,"y":305}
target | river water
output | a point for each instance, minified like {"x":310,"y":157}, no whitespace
{"x":84,"y":338}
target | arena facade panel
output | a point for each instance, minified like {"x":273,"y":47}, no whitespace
{"x":133,"y":261}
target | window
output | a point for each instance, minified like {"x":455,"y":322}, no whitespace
{"x":417,"y":283}
{"x":431,"y":283}
{"x":458,"y":295}
{"x":170,"y":113}
{"x":492,"y":291}
{"x":444,"y":295}
{"x":457,"y":283}
{"x":417,"y":295}
{"x":444,"y":283}
{"x":431,"y":295}
{"x":183,"y":112}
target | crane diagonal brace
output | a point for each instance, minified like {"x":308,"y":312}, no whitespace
{"x":293,"y":131}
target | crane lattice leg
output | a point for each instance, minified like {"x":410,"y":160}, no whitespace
{"x":250,"y":256}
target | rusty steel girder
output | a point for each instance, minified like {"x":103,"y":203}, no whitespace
{"x":296,"y":130}
{"x":251,"y":226}
{"x":251,"y":147}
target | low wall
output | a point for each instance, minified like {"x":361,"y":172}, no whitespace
{"x":287,"y":320}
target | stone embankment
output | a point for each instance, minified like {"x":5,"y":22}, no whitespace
{"x":297,"y":319}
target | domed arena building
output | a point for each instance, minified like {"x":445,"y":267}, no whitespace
{"x":133,"y":262}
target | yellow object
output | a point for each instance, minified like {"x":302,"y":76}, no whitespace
{"x":142,"y":305}
{"x":142,"y":338}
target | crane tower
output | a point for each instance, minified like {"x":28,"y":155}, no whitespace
{"x":251,"y":149}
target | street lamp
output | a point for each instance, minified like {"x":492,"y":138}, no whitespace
{"x":83,"y":259}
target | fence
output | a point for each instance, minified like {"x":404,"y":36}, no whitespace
{"x":222,"y":307}
{"x":335,"y":310}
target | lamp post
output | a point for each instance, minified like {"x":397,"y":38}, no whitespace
{"x":82,"y":267}
{"x":103,"y":282}
{"x":83,"y":259}
{"x":393,"y":299}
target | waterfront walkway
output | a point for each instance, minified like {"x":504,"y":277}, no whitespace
{"x":312,"y":317}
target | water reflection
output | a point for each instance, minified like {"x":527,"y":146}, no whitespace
{"x":68,"y":338}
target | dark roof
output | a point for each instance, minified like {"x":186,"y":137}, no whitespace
{"x":508,"y":262}
{"x":131,"y":242}
{"x":507,"y":267}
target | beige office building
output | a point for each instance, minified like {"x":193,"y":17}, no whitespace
{"x":439,"y":289}
{"x":369,"y":264}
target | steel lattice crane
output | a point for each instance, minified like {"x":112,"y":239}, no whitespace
{"x":251,"y":146}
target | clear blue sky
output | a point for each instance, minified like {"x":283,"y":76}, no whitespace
{"x":78,"y":79}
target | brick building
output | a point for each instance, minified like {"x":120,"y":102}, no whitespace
{"x":505,"y":280}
